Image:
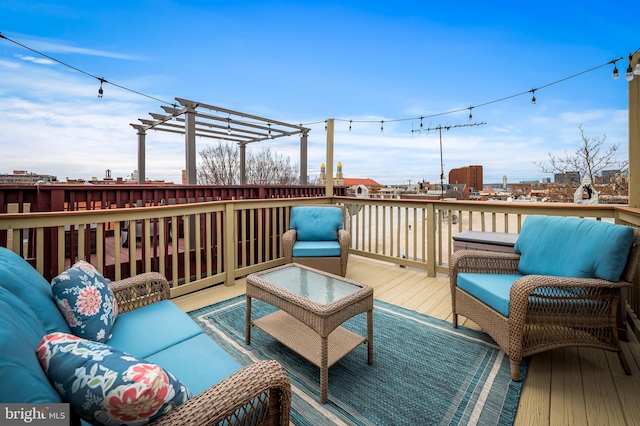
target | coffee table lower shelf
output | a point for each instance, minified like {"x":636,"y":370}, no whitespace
{"x":306,"y":342}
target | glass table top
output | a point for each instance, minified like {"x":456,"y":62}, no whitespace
{"x":316,"y":287}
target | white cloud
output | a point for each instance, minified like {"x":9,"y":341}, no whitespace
{"x":41,"y":61}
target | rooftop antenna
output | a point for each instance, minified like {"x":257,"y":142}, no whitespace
{"x":440,"y":128}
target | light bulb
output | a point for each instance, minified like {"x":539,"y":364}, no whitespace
{"x":615,"y":72}
{"x":629,"y":75}
{"x":636,"y":70}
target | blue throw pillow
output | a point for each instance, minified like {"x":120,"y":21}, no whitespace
{"x":105,"y":385}
{"x":86,"y":301}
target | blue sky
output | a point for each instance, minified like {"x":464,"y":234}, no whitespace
{"x":304,"y":62}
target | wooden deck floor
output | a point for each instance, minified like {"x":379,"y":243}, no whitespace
{"x":573,"y":386}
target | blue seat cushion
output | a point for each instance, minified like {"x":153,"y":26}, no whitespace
{"x":316,"y":223}
{"x":21,"y":376}
{"x":21,"y":279}
{"x":107,"y":386}
{"x":199,"y":362}
{"x":153,"y":328}
{"x":573,"y":247}
{"x":491,"y":289}
{"x":316,"y":249}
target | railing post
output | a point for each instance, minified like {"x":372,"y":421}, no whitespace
{"x":230,"y":244}
{"x":431,"y":222}
{"x":329,"y":169}
{"x":634,"y":138}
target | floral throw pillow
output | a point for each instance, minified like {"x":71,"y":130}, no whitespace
{"x":86,"y":301}
{"x":105,"y":385}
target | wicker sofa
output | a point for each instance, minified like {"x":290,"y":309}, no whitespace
{"x":149,"y":327}
{"x":317,"y":238}
{"x":560,"y":288}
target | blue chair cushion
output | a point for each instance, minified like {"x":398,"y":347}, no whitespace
{"x":316,"y":223}
{"x":316,"y":249}
{"x":107,"y":386}
{"x":199,"y":362}
{"x":573,"y":247}
{"x":86,"y":301}
{"x":21,"y":377}
{"x":152,"y":328}
{"x":21,"y":279}
{"x":492,"y":289}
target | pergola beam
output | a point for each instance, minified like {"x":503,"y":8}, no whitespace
{"x":242,"y":129}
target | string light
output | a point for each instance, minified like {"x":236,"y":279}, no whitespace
{"x":100,"y":79}
{"x":470,"y":113}
{"x":532,"y":91}
{"x":100,"y":91}
{"x":633,"y":70}
{"x":229,"y":125}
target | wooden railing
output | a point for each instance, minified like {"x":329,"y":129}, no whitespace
{"x":202,"y":244}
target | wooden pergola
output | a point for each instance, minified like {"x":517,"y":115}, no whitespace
{"x":193,"y":119}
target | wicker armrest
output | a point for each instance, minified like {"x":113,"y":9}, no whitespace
{"x":483,"y":262}
{"x":141,"y":290}
{"x":239,"y":397}
{"x":344,"y":239}
{"x":288,"y":240}
{"x":532,"y":289}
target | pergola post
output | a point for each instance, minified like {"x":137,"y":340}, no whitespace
{"x":141,"y":155}
{"x":634,"y":137}
{"x":190,"y":143}
{"x":303,"y":158}
{"x":243,"y":163}
{"x":329,"y":166}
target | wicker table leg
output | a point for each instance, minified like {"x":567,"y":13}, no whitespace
{"x":247,"y":326}
{"x":324,"y":370}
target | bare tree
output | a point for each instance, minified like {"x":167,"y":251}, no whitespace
{"x":271,"y":168}
{"x":590,"y":159}
{"x":220,"y":165}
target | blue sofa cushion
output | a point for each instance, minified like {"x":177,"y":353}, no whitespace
{"x":492,"y":289}
{"x":21,"y":279}
{"x":152,"y":328}
{"x":86,"y":301}
{"x":316,"y":223}
{"x":107,"y":386}
{"x":316,"y":249}
{"x":22,"y":380}
{"x":199,"y":362}
{"x":573,"y":247}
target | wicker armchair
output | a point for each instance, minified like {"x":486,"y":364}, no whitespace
{"x":544,"y":312}
{"x":259,"y":393}
{"x":335,"y":263}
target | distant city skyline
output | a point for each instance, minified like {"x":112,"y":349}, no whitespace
{"x":377,"y":70}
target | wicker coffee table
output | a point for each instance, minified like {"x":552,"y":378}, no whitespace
{"x":313,"y":304}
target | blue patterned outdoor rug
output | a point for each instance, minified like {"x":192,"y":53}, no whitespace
{"x":425,"y":372}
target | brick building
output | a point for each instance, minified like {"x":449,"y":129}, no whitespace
{"x":471,"y":176}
